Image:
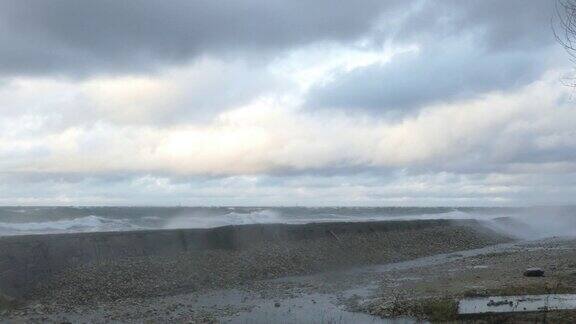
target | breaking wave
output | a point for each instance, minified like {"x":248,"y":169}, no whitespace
{"x":82,"y":224}
{"x":270,"y":216}
{"x":525,"y":223}
{"x":200,"y":220}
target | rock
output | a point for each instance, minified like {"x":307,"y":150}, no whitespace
{"x":492,"y":303}
{"x":534,"y":272}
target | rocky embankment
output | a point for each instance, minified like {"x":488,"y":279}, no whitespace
{"x":200,"y":270}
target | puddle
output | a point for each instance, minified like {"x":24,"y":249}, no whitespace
{"x":511,"y":304}
{"x":305,"y":308}
{"x":314,"y":308}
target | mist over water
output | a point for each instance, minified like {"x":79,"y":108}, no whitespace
{"x":523,"y":223}
{"x":536,"y":223}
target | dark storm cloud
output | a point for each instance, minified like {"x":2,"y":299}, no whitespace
{"x":467,"y":48}
{"x":78,"y":37}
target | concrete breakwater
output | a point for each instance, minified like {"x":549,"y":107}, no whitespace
{"x":27,"y":260}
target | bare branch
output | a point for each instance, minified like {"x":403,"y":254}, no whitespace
{"x":564,"y":30}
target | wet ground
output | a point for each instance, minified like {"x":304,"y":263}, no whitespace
{"x":348,"y":296}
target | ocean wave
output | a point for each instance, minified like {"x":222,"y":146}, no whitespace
{"x":456,"y":214}
{"x":125,"y":220}
{"x":90,"y":223}
{"x":200,"y":220}
{"x":271,"y":216}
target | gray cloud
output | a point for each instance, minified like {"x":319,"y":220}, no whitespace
{"x":152,"y":138}
{"x":467,"y":48}
{"x":442,"y":74}
{"x":65,"y":37}
{"x":366,"y":188}
{"x":68,"y":37}
{"x":503,"y":25}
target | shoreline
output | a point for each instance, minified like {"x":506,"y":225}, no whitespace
{"x":32,"y":259}
{"x":113,"y":267}
{"x":360,"y":294}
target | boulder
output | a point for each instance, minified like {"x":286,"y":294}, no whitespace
{"x":534,"y":272}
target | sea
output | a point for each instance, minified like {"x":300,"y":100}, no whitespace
{"x":16,"y":220}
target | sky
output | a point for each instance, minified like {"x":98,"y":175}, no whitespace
{"x":274,"y":102}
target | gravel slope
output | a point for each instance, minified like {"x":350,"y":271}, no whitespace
{"x":150,"y":276}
